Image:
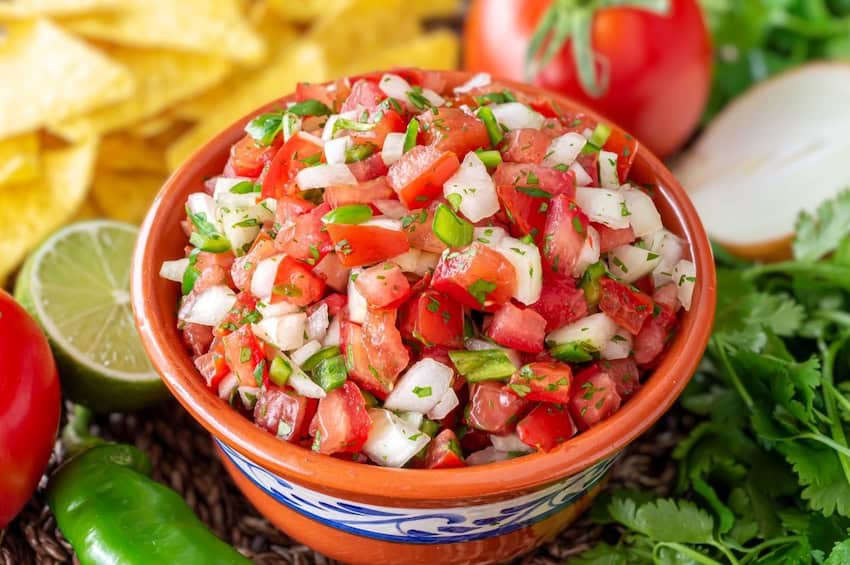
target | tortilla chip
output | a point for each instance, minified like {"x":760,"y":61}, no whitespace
{"x":358,"y":27}
{"x":305,"y":62}
{"x":435,"y":8}
{"x":302,"y":11}
{"x":162,"y":78}
{"x":33,"y":8}
{"x":437,"y":50}
{"x":19,"y":159}
{"x":154,"y":126}
{"x":30,"y":211}
{"x":54,"y":76}
{"x":212,"y":27}
{"x":124,"y":152}
{"x":124,"y":196}
{"x":88,"y":210}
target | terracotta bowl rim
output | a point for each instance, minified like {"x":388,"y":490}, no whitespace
{"x":365,"y":482}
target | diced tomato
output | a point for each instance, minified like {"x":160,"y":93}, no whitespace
{"x":358,"y":244}
{"x":362,"y":193}
{"x":243,"y":268}
{"x":667,"y":295}
{"x":654,"y":335}
{"x":212,"y":366}
{"x":334,"y":301}
{"x":594,"y":397}
{"x":494,"y":408}
{"x":526,"y":212}
{"x":547,"y":426}
{"x":296,"y":284}
{"x":441,"y":353}
{"x":205,"y":259}
{"x":444,"y":452}
{"x":357,"y":359}
{"x":610,"y":238}
{"x":526,"y":145}
{"x":417,"y":227}
{"x":331,"y":270}
{"x":435,"y":319}
{"x":626,"y":306}
{"x":197,"y":338}
{"x":388,"y":356}
{"x":365,"y":95}
{"x":289,"y":159}
{"x":546,"y":382}
{"x":290,"y":207}
{"x":451,"y":129}
{"x":342,"y":422}
{"x":472,"y":440}
{"x":564,"y":235}
{"x":626,"y":147}
{"x":625,"y":374}
{"x":245,"y":357}
{"x":419,"y":175}
{"x":306,"y":238}
{"x":242,"y":313}
{"x":548,"y":179}
{"x":590,"y":163}
{"x":283,"y":413}
{"x":247,"y":157}
{"x":518,"y":328}
{"x":552,"y":128}
{"x":390,"y":122}
{"x":560,"y":301}
{"x":477,"y":277}
{"x":308,"y":91}
{"x":383,"y":286}
{"x":369,"y":168}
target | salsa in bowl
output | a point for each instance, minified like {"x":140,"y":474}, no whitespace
{"x":406,"y":270}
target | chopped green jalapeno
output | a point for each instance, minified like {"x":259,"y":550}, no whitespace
{"x":348,"y":214}
{"x":494,"y":130}
{"x":450,"y":228}
{"x":485,"y":365}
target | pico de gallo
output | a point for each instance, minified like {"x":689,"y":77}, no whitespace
{"x":417,"y":270}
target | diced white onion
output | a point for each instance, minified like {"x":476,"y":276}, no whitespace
{"x":510,"y":444}
{"x":232,"y":222}
{"x":383,"y":223}
{"x":589,"y":254}
{"x":224,"y":184}
{"x":604,"y":206}
{"x":202,"y":203}
{"x":284,"y":332}
{"x":582,"y":178}
{"x":395,"y":87}
{"x":314,"y":139}
{"x":684,"y":276}
{"x":478,"y":80}
{"x":335,"y":150}
{"x":391,"y":208}
{"x":413,"y":419}
{"x":473,"y":184}
{"x":300,"y":355}
{"x":332,"y":337}
{"x":210,"y":307}
{"x":173,"y":270}
{"x":357,"y":307}
{"x":227,"y":385}
{"x":317,"y":323}
{"x":447,"y":403}
{"x":618,"y":347}
{"x":248,"y":396}
{"x":630,"y":262}
{"x":644,"y":217}
{"x":525,"y":258}
{"x":321,"y":176}
{"x":277,"y":309}
{"x":421,"y":387}
{"x":301,"y":383}
{"x":515,"y":115}
{"x":608,"y":176}
{"x":416,"y":261}
{"x":391,"y":441}
{"x":564,"y":150}
{"x":290,"y":124}
{"x":487,"y":455}
{"x":328,"y":130}
{"x":432,"y":97}
{"x":262,"y":281}
{"x":393,"y":148}
{"x":593,"y":332}
{"x":489,"y":235}
{"x":670,"y":248}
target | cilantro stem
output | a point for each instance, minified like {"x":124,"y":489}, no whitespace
{"x":829,"y":354}
{"x":753,"y":552}
{"x":833,"y":274}
{"x":838,"y":396}
{"x":692,"y":553}
{"x":718,"y":347}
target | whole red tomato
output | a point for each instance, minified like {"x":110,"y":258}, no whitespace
{"x":660,"y":66}
{"x":29,"y":406}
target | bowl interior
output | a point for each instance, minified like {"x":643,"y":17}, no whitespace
{"x":155,"y":300}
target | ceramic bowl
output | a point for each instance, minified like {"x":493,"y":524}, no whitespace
{"x":367,"y":514}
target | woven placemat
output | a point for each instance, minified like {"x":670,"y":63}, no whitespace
{"x":183,"y":458}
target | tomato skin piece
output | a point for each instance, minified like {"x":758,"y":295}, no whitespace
{"x":284,"y":413}
{"x":546,"y":427}
{"x":280,"y":177}
{"x":561,"y":302}
{"x":383,"y":285}
{"x":660,"y":68}
{"x":451,"y":129}
{"x":543,"y":382}
{"x":653,"y":336}
{"x":296,"y":284}
{"x":437,"y":320}
{"x":564,"y":235}
{"x":625,"y":373}
{"x":342,"y":422}
{"x":610,"y":238}
{"x":444,"y":452}
{"x":629,"y":308}
{"x":30,"y":407}
{"x":365,"y":95}
{"x":479,"y":265}
{"x":518,"y":328}
{"x":494,"y":408}
{"x":363,"y":193}
{"x":525,"y":145}
{"x":419,"y":175}
{"x":358,"y":245}
{"x":212,"y":366}
{"x":242,"y":344}
{"x":247,"y":157}
{"x":594,"y":397}
{"x":306,"y":239}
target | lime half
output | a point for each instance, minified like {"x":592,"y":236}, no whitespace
{"x":77,"y":285}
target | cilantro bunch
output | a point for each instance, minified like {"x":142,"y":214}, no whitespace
{"x":764,"y":477}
